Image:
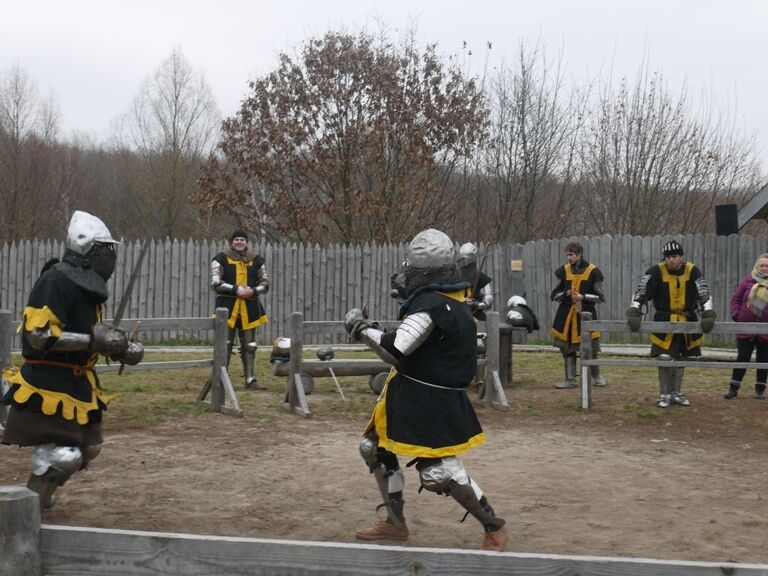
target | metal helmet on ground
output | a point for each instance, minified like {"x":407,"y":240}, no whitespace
{"x":86,"y":230}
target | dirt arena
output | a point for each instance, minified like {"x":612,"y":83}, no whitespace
{"x":688,"y":485}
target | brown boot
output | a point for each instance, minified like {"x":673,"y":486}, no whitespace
{"x":496,"y":541}
{"x":383,"y":530}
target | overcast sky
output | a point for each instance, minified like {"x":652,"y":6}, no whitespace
{"x":93,"y":55}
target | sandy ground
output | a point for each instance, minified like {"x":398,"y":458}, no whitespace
{"x":561,"y":491}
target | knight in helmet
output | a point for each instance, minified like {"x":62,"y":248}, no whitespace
{"x":481,"y":294}
{"x":423,"y":412}
{"x":55,"y":400}
{"x":239,"y":277}
{"x":579,"y":288}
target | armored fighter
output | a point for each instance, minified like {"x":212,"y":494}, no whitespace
{"x":677,"y":289}
{"x":481,"y":290}
{"x":239,"y":277}
{"x":55,"y":400}
{"x":424,"y":412}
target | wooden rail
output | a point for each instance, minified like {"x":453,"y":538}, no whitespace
{"x":33,"y":549}
{"x":588,"y":326}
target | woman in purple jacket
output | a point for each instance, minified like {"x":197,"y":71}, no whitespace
{"x":749,"y":303}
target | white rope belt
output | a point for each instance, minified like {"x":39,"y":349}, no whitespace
{"x":432,"y":385}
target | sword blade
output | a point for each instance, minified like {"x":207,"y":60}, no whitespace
{"x":129,"y":287}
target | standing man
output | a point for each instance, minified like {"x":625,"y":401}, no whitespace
{"x":677,"y":288}
{"x":424,"y":412}
{"x":579,"y":288}
{"x":55,"y":400}
{"x":238,"y":277}
{"x":481,"y":295}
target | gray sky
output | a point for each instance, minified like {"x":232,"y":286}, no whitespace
{"x":93,"y":55}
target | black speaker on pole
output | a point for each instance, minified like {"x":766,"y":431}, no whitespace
{"x":726,"y":219}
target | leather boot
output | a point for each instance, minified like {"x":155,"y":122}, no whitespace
{"x":598,"y":380}
{"x":760,"y":391}
{"x":383,"y":530}
{"x":733,"y":390}
{"x":496,"y":541}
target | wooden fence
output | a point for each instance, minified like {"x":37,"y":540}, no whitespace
{"x":33,"y":549}
{"x":324,"y":282}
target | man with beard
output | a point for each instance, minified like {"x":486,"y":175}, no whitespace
{"x":677,"y":288}
{"x":424,"y":412}
{"x":579,"y":288}
{"x":55,"y":400}
{"x":239,"y":277}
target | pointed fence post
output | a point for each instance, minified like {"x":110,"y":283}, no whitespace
{"x":5,"y":358}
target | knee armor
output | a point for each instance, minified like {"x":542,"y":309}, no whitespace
{"x":437,"y":475}
{"x":58,"y":461}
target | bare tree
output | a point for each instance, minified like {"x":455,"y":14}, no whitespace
{"x":352,"y":139}
{"x":28,"y":158}
{"x":172,"y":126}
{"x":651,"y":166}
{"x":529,"y":165}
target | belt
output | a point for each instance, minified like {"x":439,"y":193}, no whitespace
{"x":77,"y":369}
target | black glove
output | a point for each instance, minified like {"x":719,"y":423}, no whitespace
{"x":131,"y":356}
{"x":634,"y":318}
{"x":707,"y":321}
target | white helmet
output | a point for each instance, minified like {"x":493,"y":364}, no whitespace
{"x":430,"y":249}
{"x":84,"y":231}
{"x":467,"y":254}
{"x":516,"y":301}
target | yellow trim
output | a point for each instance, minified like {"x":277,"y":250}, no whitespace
{"x":571,"y":321}
{"x":240,"y":309}
{"x":676,"y":286}
{"x":378,"y":421}
{"x":40,"y":318}
{"x":458,"y":295}
{"x":71,"y":408}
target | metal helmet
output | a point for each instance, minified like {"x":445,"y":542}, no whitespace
{"x":516,"y":301}
{"x":430,"y":249}
{"x":467,"y":254}
{"x":86,"y":230}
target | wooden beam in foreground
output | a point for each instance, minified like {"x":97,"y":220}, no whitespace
{"x":101,"y":552}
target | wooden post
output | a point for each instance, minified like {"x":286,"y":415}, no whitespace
{"x":294,"y":394}
{"x":494,"y":392}
{"x":5,"y":358}
{"x":220,"y":351}
{"x":19,"y":532}
{"x":586,"y":354}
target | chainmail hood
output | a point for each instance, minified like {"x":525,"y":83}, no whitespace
{"x":77,"y":269}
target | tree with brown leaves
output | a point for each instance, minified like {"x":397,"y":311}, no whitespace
{"x":353,"y":139}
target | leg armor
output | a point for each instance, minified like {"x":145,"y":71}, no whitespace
{"x":677,"y":396}
{"x":448,"y":476}
{"x":599,"y":380}
{"x":666,"y":386}
{"x":248,"y":354}
{"x":570,"y":373}
{"x":389,"y":477}
{"x":230,"y":343}
{"x":51,"y":467}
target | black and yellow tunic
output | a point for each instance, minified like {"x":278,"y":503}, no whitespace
{"x":241,"y":271}
{"x":583,"y":279}
{"x":55,"y":396}
{"x":424,"y":410}
{"x":675,"y":299}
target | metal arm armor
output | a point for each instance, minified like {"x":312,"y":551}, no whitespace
{"x":640,"y":295}
{"x":703,"y":288}
{"x":39,"y":339}
{"x":217,"y":283}
{"x":486,"y":296}
{"x":560,"y":296}
{"x":413,"y":332}
{"x":372,"y":337}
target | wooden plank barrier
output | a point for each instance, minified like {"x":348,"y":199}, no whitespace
{"x":19,"y":532}
{"x":105,"y":552}
{"x":588,"y":326}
